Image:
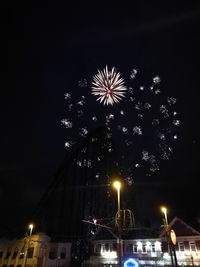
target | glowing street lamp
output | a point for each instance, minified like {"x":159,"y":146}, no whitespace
{"x":31,"y":226}
{"x":164,"y":210}
{"x":117,"y":186}
{"x":171,"y":237}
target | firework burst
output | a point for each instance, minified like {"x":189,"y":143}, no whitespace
{"x":143,"y":127}
{"x":108,"y":86}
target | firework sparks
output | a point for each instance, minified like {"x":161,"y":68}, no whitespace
{"x":146,"y":122}
{"x":108,"y":86}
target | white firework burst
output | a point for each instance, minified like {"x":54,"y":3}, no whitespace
{"x":108,"y":86}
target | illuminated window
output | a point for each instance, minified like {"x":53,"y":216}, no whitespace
{"x":139,"y":246}
{"x":181,"y":246}
{"x":157,"y":246}
{"x":107,"y":247}
{"x":192,"y":246}
{"x":103,"y":249}
{"x":148,"y":246}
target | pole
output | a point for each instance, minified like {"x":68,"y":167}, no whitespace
{"x":119,"y":228}
{"x":169,"y":242}
{"x":175,"y":258}
{"x":28,"y":241}
{"x":26,"y":251}
{"x":170,"y":245}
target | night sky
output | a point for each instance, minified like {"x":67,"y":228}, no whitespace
{"x":49,"y":47}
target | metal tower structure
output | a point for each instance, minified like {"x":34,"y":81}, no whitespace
{"x":81,"y":188}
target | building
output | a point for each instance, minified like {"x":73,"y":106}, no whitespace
{"x":147,"y":248}
{"x":35,"y":250}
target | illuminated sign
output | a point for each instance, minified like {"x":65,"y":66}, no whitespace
{"x":173,"y":237}
{"x":131,"y":263}
{"x":109,"y":254}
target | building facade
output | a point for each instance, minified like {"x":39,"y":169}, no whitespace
{"x":34,"y":251}
{"x":38,"y":250}
{"x":149,"y":251}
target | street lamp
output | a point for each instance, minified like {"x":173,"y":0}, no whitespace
{"x":170,"y":237}
{"x":164,"y":210}
{"x":30,"y":226}
{"x":117,"y":186}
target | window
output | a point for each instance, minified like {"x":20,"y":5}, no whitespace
{"x":144,"y":250}
{"x":139,"y":246}
{"x":107,"y":247}
{"x":157,"y":246}
{"x":42,"y":251}
{"x":15,"y":253}
{"x":21,"y":255}
{"x":52,"y":253}
{"x":97,"y":248}
{"x":192,"y":246}
{"x":1,"y":254}
{"x":181,"y":246}
{"x":153,"y":248}
{"x":148,"y":246}
{"x":8,"y":253}
{"x":30,"y":252}
{"x":135,"y":248}
{"x":130,"y":248}
{"x":63,"y":253}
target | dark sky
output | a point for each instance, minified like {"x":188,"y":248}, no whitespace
{"x":48,"y":47}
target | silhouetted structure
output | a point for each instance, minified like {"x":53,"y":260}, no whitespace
{"x":80,"y":189}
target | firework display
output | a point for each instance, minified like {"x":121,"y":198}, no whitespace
{"x":108,"y":86}
{"x":141,"y":119}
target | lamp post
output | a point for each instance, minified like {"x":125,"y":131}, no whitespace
{"x":169,"y":233}
{"x":164,"y":210}
{"x":117,"y":186}
{"x":31,"y":226}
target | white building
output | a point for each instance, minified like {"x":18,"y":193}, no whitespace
{"x":148,"y":251}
